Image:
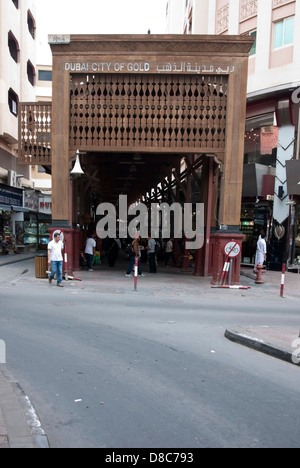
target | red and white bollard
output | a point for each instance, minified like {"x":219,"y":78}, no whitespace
{"x":136,"y":272}
{"x":66,"y":265}
{"x":225,"y":272}
{"x":282,"y":280}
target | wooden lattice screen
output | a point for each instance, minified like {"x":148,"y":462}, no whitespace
{"x":148,"y":112}
{"x":35,"y":133}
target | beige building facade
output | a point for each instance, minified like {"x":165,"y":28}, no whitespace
{"x":275,"y":58}
{"x":17,"y":71}
{"x":271,"y":136}
{"x":19,"y":199}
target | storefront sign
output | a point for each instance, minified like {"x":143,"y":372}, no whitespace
{"x":10,"y":196}
{"x":45,"y":205}
{"x":146,"y":67}
{"x":293,"y":176}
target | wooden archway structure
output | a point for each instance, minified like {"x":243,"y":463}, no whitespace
{"x":143,"y":103}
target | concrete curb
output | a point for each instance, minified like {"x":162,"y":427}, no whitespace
{"x":12,"y":259}
{"x":21,"y":427}
{"x":258,"y":344}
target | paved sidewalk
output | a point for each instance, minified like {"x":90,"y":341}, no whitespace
{"x":279,"y":342}
{"x":19,"y":424}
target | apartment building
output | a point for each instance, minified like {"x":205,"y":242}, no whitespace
{"x":19,"y":201}
{"x":271,"y":191}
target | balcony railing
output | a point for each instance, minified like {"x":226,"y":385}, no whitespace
{"x":35,"y":133}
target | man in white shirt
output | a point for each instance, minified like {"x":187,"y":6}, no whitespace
{"x":151,"y":255}
{"x":90,"y":248}
{"x":55,"y":259}
{"x":170,"y":253}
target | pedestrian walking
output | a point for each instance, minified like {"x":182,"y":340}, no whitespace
{"x":152,"y":255}
{"x":261,"y":251}
{"x":112,"y":251}
{"x":55,"y":259}
{"x":134,"y":252}
{"x":90,"y":249}
{"x":169,"y":253}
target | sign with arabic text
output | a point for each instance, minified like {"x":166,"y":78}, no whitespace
{"x":149,"y":67}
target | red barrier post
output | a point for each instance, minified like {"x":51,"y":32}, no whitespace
{"x":136,"y":271}
{"x":282,"y":280}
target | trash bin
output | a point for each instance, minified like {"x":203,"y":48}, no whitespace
{"x":41,"y":266}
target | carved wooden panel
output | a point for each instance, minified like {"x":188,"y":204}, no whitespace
{"x":148,"y":112}
{"x":35,"y":133}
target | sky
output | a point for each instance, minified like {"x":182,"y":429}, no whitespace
{"x":96,"y":17}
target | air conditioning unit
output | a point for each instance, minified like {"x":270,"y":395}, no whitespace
{"x":12,"y":178}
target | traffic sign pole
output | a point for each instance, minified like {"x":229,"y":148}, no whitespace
{"x":231,"y":250}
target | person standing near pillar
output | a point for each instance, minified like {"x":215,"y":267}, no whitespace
{"x":170,"y":253}
{"x":135,"y":253}
{"x":90,"y":249}
{"x":261,"y":251}
{"x":152,"y":255}
{"x":55,"y":259}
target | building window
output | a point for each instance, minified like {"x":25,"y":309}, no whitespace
{"x":31,"y":24}
{"x":13,"y":102}
{"x":253,"y":48}
{"x":13,"y":46}
{"x":45,"y":75}
{"x":284,"y":32}
{"x":31,"y":73}
{"x":16,"y":3}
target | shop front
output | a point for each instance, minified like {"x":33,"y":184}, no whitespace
{"x":32,"y":229}
{"x":255,"y":220}
{"x":293,"y":183}
{"x":11,"y":212}
{"x":269,"y":146}
{"x":296,"y":252}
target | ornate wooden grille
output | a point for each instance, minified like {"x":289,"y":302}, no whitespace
{"x":148,"y":112}
{"x":35,"y":133}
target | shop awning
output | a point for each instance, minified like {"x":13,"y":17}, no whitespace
{"x":17,"y":209}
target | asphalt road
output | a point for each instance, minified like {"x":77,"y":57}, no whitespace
{"x":140,"y":370}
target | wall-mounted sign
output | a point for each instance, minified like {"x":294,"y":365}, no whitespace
{"x":11,"y":196}
{"x":149,"y":67}
{"x":59,"y":39}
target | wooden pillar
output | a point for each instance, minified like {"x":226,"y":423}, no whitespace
{"x":202,"y":255}
{"x":231,"y":193}
{"x":60,"y":146}
{"x":231,"y":190}
{"x":186,"y":253}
